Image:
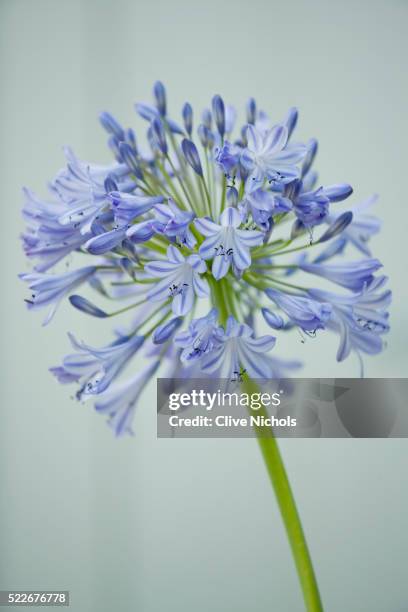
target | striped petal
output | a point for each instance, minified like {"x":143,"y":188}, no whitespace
{"x":230,"y":217}
{"x":183,"y":302}
{"x":200,"y":286}
{"x":207,"y":249}
{"x":220,"y":266}
{"x":206,"y":227}
{"x":161,"y":268}
{"x":262,"y":344}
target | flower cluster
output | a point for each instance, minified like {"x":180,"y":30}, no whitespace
{"x":196,"y":217}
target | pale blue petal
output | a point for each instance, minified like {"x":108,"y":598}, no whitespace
{"x":206,"y":227}
{"x":197,"y":263}
{"x":200,"y":286}
{"x":230,"y":217}
{"x":263,"y":344}
{"x":220,"y":267}
{"x":250,"y":238}
{"x":174,"y":255}
{"x":183,"y":302}
{"x":275,"y":139}
{"x":207,"y":249}
{"x":161,"y":268}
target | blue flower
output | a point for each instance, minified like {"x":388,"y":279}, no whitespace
{"x":200,"y":337}
{"x":237,"y":351}
{"x":362,"y":227}
{"x":85,"y":189}
{"x":180,"y":280}
{"x":360,"y":319}
{"x":119,"y":401}
{"x":100,"y":366}
{"x":263,"y":205}
{"x":352,"y":275}
{"x":127,"y":207}
{"x":312,"y":207}
{"x":228,"y":157}
{"x":267,"y":156}
{"x":51,"y":289}
{"x":142,"y":218}
{"x":45,"y":238}
{"x":226,"y":244}
{"x":310,"y":315}
{"x":174,"y":223}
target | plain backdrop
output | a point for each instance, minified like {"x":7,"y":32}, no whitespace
{"x":151,"y":525}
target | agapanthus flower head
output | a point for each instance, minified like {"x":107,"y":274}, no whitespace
{"x":228,"y":219}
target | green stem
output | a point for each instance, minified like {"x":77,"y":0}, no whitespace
{"x":207,"y":193}
{"x":287,"y":506}
{"x":223,"y":193}
{"x":299,"y":248}
{"x":261,"y":281}
{"x":274,"y":266}
{"x":275,"y":280}
{"x":171,"y":186}
{"x":183,"y":189}
{"x":280,"y":483}
{"x":269,"y":249}
{"x":218,"y":299}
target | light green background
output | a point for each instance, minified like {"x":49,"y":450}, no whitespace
{"x":161,"y":525}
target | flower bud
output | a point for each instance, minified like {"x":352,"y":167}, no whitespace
{"x":251,"y":111}
{"x":273,"y":320}
{"x":218,"y":109}
{"x":160,"y":97}
{"x":140,"y":232}
{"x":159,"y":135}
{"x":187,"y":113}
{"x":129,"y":157}
{"x":206,"y":136}
{"x":337,"y":193}
{"x":113,"y":144}
{"x":192,"y":156}
{"x":291,"y":120}
{"x":131,"y":138}
{"x":311,"y":148}
{"x":111,"y":125}
{"x":86,"y":306}
{"x":337,"y":226}
{"x":166,"y":330}
{"x":207,"y":118}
